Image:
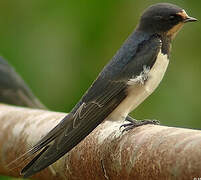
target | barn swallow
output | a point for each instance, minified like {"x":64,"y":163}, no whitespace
{"x":13,"y":90}
{"x":126,"y":81}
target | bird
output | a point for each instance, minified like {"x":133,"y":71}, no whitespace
{"x":131,"y":76}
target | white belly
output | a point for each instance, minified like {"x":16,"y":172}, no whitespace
{"x":138,"y":92}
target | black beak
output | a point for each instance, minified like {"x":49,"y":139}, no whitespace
{"x":190,"y":19}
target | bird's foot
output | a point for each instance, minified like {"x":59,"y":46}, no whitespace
{"x":136,"y":123}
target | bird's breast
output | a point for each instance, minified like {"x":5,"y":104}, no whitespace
{"x":138,"y":90}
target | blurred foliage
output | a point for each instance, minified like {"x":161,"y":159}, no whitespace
{"x":59,"y":47}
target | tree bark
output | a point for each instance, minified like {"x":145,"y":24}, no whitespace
{"x":146,"y":152}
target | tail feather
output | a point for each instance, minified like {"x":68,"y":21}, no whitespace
{"x":24,"y":170}
{"x":43,"y":143}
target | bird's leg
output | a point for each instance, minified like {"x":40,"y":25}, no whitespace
{"x":135,"y":123}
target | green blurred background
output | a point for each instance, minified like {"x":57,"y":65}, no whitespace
{"x":59,"y":47}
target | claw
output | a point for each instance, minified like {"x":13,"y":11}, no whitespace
{"x":136,"y":123}
{"x":129,"y":119}
{"x":125,"y":125}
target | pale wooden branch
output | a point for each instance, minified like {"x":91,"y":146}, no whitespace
{"x":146,"y":152}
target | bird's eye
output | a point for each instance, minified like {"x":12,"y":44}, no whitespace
{"x":172,"y":17}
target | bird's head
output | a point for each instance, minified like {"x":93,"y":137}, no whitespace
{"x":164,"y":18}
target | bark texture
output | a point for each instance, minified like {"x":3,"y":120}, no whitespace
{"x":146,"y":152}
